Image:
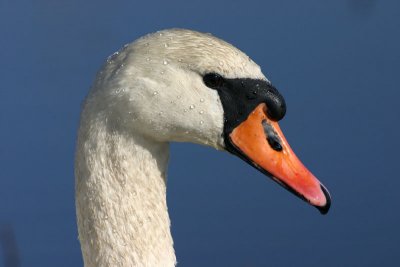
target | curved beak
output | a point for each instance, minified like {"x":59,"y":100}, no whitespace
{"x":259,"y":141}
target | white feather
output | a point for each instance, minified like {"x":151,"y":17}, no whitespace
{"x":146,"y":95}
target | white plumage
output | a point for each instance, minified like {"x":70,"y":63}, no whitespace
{"x":146,"y":95}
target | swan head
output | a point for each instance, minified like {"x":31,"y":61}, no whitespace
{"x":185,"y":86}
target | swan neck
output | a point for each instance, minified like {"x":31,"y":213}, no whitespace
{"x":121,"y":199}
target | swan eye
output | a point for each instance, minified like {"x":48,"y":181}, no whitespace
{"x":213,"y":80}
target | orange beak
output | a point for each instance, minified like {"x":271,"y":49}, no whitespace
{"x":260,"y":141}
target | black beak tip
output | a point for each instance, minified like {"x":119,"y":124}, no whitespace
{"x":324,"y":209}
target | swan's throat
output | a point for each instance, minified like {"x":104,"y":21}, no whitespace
{"x":121,"y":200}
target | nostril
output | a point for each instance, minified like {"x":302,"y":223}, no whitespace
{"x":274,"y":143}
{"x":272,"y":137}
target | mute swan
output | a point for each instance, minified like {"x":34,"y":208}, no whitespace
{"x":173,"y":85}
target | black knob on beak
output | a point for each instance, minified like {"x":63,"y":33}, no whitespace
{"x":275,"y":103}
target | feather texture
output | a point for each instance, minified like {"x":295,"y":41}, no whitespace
{"x":146,"y":95}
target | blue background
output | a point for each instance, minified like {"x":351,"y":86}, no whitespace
{"x":337,"y":64}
